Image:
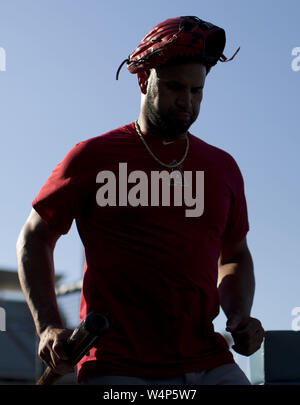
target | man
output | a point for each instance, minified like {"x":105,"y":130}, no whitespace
{"x":163,"y":219}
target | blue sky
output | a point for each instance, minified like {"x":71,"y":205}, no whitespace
{"x":59,"y":88}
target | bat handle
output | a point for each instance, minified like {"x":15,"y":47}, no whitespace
{"x":83,"y":338}
{"x":49,"y":377}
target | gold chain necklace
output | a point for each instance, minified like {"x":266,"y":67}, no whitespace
{"x":171,"y":165}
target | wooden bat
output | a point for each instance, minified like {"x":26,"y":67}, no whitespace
{"x":84,"y":337}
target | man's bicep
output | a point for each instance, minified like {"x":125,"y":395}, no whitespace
{"x":231,"y":251}
{"x":37,"y":227}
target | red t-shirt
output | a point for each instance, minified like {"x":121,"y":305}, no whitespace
{"x":151,"y":270}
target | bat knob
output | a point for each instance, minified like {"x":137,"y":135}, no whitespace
{"x":96,"y":323}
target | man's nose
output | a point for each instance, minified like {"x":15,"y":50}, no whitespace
{"x":184,"y":100}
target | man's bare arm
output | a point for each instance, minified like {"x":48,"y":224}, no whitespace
{"x":35,"y":249}
{"x":236,"y":285}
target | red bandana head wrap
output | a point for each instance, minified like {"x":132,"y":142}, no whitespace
{"x":179,"y":37}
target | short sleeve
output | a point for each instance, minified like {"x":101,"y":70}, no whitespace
{"x":237,"y":224}
{"x":59,"y":200}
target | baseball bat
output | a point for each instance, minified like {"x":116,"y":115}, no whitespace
{"x":83,"y":338}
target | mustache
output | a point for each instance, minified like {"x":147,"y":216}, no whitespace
{"x":184,"y":111}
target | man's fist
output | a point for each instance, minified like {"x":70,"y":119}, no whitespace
{"x":247,"y":333}
{"x":52,"y":349}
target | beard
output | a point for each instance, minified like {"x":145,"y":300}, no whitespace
{"x":166,"y":123}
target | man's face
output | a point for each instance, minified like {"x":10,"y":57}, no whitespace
{"x":173,"y":97}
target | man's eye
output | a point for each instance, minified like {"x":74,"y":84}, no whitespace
{"x":197,"y":90}
{"x":173,"y":86}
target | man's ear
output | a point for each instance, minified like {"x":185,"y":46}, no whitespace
{"x":143,"y":80}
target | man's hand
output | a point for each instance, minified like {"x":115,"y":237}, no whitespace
{"x":247,"y":333}
{"x":52,"y":349}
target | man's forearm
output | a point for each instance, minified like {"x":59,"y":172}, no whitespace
{"x":36,"y":275}
{"x":236,"y":285}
